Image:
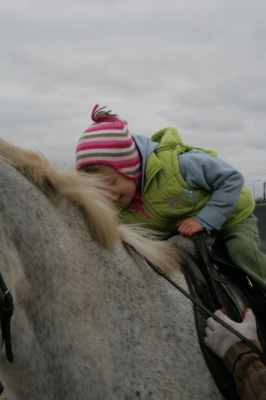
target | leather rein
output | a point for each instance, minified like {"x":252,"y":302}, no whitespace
{"x":6,"y":312}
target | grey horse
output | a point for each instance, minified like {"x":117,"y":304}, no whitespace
{"x":92,"y":320}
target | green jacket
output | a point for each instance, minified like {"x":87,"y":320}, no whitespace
{"x":166,"y":198}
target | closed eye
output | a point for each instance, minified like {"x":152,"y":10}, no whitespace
{"x":111,"y":182}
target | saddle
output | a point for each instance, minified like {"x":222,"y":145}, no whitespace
{"x":217,"y":283}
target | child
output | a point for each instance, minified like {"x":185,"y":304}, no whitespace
{"x":162,"y":183}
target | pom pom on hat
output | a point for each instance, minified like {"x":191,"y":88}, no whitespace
{"x":108,"y":142}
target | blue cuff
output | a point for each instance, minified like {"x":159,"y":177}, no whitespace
{"x":208,"y":228}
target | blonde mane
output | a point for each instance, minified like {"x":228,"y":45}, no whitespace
{"x":87,"y":192}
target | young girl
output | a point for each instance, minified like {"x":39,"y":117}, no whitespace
{"x":162,"y":183}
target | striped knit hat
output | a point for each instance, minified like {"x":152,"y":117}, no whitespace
{"x":108,"y":142}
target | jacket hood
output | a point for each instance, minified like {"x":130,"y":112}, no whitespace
{"x":146,"y":147}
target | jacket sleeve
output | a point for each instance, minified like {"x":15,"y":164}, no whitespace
{"x":203,"y":171}
{"x":248,"y":371}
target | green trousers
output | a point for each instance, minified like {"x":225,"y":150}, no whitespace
{"x":243,"y":244}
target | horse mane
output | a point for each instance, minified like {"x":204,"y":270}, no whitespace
{"x":88,"y":193}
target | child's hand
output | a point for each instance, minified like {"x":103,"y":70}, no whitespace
{"x":188,"y":226}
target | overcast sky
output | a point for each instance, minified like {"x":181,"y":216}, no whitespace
{"x":198,"y":65}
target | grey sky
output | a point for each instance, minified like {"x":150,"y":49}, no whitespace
{"x":198,"y":65}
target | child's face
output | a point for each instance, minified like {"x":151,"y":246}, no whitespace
{"x":122,"y":189}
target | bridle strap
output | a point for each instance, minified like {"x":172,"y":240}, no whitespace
{"x":6,"y":312}
{"x":159,"y":271}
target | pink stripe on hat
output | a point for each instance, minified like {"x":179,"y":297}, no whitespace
{"x":103,"y":143}
{"x":116,"y":125}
